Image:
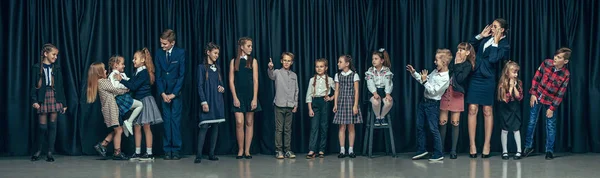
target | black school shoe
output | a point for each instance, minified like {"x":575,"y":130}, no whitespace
{"x":549,"y":156}
{"x":175,"y":156}
{"x":352,"y":155}
{"x":341,"y":155}
{"x":120,"y":156}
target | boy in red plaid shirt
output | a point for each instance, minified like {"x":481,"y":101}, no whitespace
{"x":548,"y":87}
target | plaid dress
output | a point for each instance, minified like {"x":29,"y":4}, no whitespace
{"x":344,"y":114}
{"x":50,"y":105}
{"x":124,"y":101}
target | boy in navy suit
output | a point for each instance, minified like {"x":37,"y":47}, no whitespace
{"x":170,"y":68}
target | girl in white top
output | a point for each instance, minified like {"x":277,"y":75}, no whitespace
{"x":380,"y":85}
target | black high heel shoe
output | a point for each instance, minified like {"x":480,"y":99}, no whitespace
{"x":248,"y":156}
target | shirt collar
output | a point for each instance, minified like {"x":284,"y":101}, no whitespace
{"x":139,"y":69}
{"x":170,"y":50}
{"x":244,"y":57}
{"x":347,"y":73}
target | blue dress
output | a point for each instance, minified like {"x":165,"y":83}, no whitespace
{"x":208,"y":83}
{"x":482,"y":86}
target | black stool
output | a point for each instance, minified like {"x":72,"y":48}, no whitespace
{"x":370,"y":124}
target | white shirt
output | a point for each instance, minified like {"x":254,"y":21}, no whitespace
{"x":48,"y":75}
{"x":321,"y":89}
{"x":436,"y":85}
{"x":115,"y":82}
{"x":379,"y":79}
{"x":356,"y":78}
{"x":490,"y":42}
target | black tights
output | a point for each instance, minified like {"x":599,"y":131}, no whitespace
{"x":213,"y":138}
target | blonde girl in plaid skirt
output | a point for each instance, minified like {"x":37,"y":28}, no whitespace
{"x":346,"y":109}
{"x":48,"y":98}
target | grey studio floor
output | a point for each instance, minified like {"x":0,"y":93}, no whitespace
{"x":566,"y":165}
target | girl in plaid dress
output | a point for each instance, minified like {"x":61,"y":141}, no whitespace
{"x":346,"y":97}
{"x":99,"y":84}
{"x":48,"y":98}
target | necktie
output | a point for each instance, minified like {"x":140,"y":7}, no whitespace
{"x":168,"y":56}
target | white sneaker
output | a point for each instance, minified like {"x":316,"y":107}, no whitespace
{"x":128,"y":128}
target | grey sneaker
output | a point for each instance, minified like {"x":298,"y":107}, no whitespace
{"x":290,"y":154}
{"x":279,"y":155}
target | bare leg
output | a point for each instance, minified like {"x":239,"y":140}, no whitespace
{"x":342,"y":135}
{"x":489,"y":125}
{"x":249,"y":131}
{"x":351,"y":134}
{"x":148,"y":134}
{"x":473,"y":109}
{"x":239,"y":132}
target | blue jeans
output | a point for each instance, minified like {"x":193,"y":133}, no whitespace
{"x":550,"y":126}
{"x":429,"y":110}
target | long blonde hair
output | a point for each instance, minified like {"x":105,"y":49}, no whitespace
{"x":504,"y":83}
{"x":145,"y":53}
{"x":95,"y":72}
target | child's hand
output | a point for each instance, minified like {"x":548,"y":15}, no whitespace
{"x":549,"y":113}
{"x":205,"y":107}
{"x":335,"y":108}
{"x":253,"y":104}
{"x":497,"y":35}
{"x":64,"y":110}
{"x":388,"y":97}
{"x":117,"y":77}
{"x":165,"y":98}
{"x":487,"y":31}
{"x":355,"y":110}
{"x":376,"y":96}
{"x":311,"y":113}
{"x":424,"y":74}
{"x":171,"y":96}
{"x":512,"y":83}
{"x":533,"y":100}
{"x":270,"y":64}
{"x":295,"y":109}
{"x":236,"y":102}
{"x":410,"y":69}
{"x":36,"y":105}
{"x":221,"y":89}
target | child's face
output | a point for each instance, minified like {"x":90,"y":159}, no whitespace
{"x":287,"y":62}
{"x":120,"y":65}
{"x":138,"y":61}
{"x":213,"y":55}
{"x":320,"y":68}
{"x":247,"y":47}
{"x":377,"y":61}
{"x":559,"y":60}
{"x":51,"y":55}
{"x":439,"y":61}
{"x":513,"y":73}
{"x":342,"y":64}
{"x":496,"y":28}
{"x":462,"y":54}
{"x":166,"y":45}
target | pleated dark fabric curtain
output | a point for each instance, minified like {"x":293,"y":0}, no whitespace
{"x":86,"y":31}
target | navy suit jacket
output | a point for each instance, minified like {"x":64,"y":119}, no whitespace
{"x":169,"y":75}
{"x":487,"y":61}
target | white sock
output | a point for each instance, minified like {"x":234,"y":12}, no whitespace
{"x":503,"y":138}
{"x":350,"y":150}
{"x":149,"y":151}
{"x":518,"y":140}
{"x":342,"y":150}
{"x":138,"y":150}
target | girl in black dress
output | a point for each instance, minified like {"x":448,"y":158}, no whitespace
{"x":510,"y":93}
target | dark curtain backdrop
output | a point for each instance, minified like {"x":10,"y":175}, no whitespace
{"x":86,"y":31}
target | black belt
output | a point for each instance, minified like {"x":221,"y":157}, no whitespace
{"x":427,"y":100}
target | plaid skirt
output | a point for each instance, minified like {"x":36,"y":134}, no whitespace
{"x":124,"y":101}
{"x":50,"y":105}
{"x":345,"y":114}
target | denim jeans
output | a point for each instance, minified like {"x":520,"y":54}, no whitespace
{"x":429,"y":112}
{"x":550,"y":126}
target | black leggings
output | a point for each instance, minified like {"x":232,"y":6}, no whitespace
{"x":214,"y":130}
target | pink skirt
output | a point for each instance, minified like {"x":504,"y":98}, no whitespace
{"x":452,"y":101}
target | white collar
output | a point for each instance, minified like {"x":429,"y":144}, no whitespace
{"x":116,"y":71}
{"x":244,"y":57}
{"x":347,"y":73}
{"x":170,"y":50}
{"x":139,"y":69}
{"x":322,"y":77}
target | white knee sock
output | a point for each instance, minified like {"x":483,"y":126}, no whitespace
{"x":503,"y":138}
{"x":518,"y":140}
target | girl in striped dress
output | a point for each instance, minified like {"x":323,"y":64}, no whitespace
{"x":345,"y":107}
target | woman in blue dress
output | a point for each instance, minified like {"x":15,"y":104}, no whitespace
{"x":492,"y":46}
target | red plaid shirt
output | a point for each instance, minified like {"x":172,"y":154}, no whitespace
{"x":549,"y":85}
